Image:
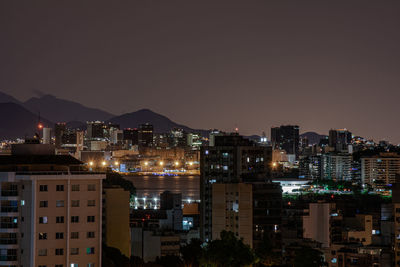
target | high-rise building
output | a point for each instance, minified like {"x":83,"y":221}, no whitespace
{"x":146,"y":135}
{"x":286,"y":137}
{"x":131,"y":135}
{"x":95,"y":130}
{"x":339,"y":139}
{"x":310,"y":167}
{"x":226,"y":214}
{"x":232,"y":159}
{"x":59,"y":129}
{"x":50,"y":209}
{"x":380,"y":169}
{"x":116,"y":223}
{"x":337,"y":166}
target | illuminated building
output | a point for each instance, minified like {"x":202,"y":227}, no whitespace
{"x":233,"y":159}
{"x":145,"y":135}
{"x":226,"y":214}
{"x":50,"y":209}
{"x":380,"y":169}
{"x":337,"y":166}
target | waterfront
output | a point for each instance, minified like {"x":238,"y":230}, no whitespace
{"x":151,"y":186}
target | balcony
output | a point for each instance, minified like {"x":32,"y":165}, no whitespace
{"x":8,"y":241}
{"x":8,"y":258}
{"x":9,"y":193}
{"x":9,"y":209}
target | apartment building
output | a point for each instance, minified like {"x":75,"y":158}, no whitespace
{"x":50,"y":209}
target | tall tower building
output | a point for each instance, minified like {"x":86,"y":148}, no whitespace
{"x":95,"y":130}
{"x":146,"y":135}
{"x":59,"y":129}
{"x":50,"y":209}
{"x":340,"y":139}
{"x":230,"y":162}
{"x":286,"y":137}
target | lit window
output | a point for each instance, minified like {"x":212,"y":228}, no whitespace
{"x":43,"y":220}
{"x":60,"y":203}
{"x":42,"y":236}
{"x":90,"y":250}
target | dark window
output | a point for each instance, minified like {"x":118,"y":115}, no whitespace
{"x":43,"y":188}
{"x":60,"y":187}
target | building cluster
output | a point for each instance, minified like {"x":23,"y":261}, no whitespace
{"x":141,"y":149}
{"x":61,"y":204}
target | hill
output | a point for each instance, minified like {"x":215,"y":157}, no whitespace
{"x":313,"y":137}
{"x":60,"y":110}
{"x":16,"y":121}
{"x":161,"y":123}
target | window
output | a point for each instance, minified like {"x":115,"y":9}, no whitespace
{"x":60,"y":203}
{"x":59,"y":251}
{"x":74,"y":235}
{"x":90,"y":250}
{"x":74,"y":219}
{"x":43,"y":204}
{"x":42,"y":236}
{"x":43,"y":188}
{"x":75,"y":203}
{"x":90,"y":265}
{"x":43,"y":220}
{"x":75,"y":187}
{"x":42,"y":252}
{"x":60,"y":187}
{"x":91,"y":203}
{"x":90,"y":235}
{"x":74,"y":251}
{"x":58,"y":265}
{"x":60,"y":219}
{"x":91,"y":187}
{"x":90,"y":218}
{"x":60,"y":235}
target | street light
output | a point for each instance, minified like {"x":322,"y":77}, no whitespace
{"x":103,"y":163}
{"x":161,"y":163}
{"x":176,"y":163}
{"x":116,"y":163}
{"x":91,"y":163}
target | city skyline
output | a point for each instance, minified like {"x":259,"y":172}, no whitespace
{"x":251,"y":66}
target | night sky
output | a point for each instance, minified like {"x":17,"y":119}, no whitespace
{"x":213,"y":64}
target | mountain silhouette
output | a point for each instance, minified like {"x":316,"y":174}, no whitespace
{"x":61,"y":110}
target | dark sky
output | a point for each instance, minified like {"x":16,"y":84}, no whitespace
{"x":213,"y":64}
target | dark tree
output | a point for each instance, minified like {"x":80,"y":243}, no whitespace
{"x":308,"y":257}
